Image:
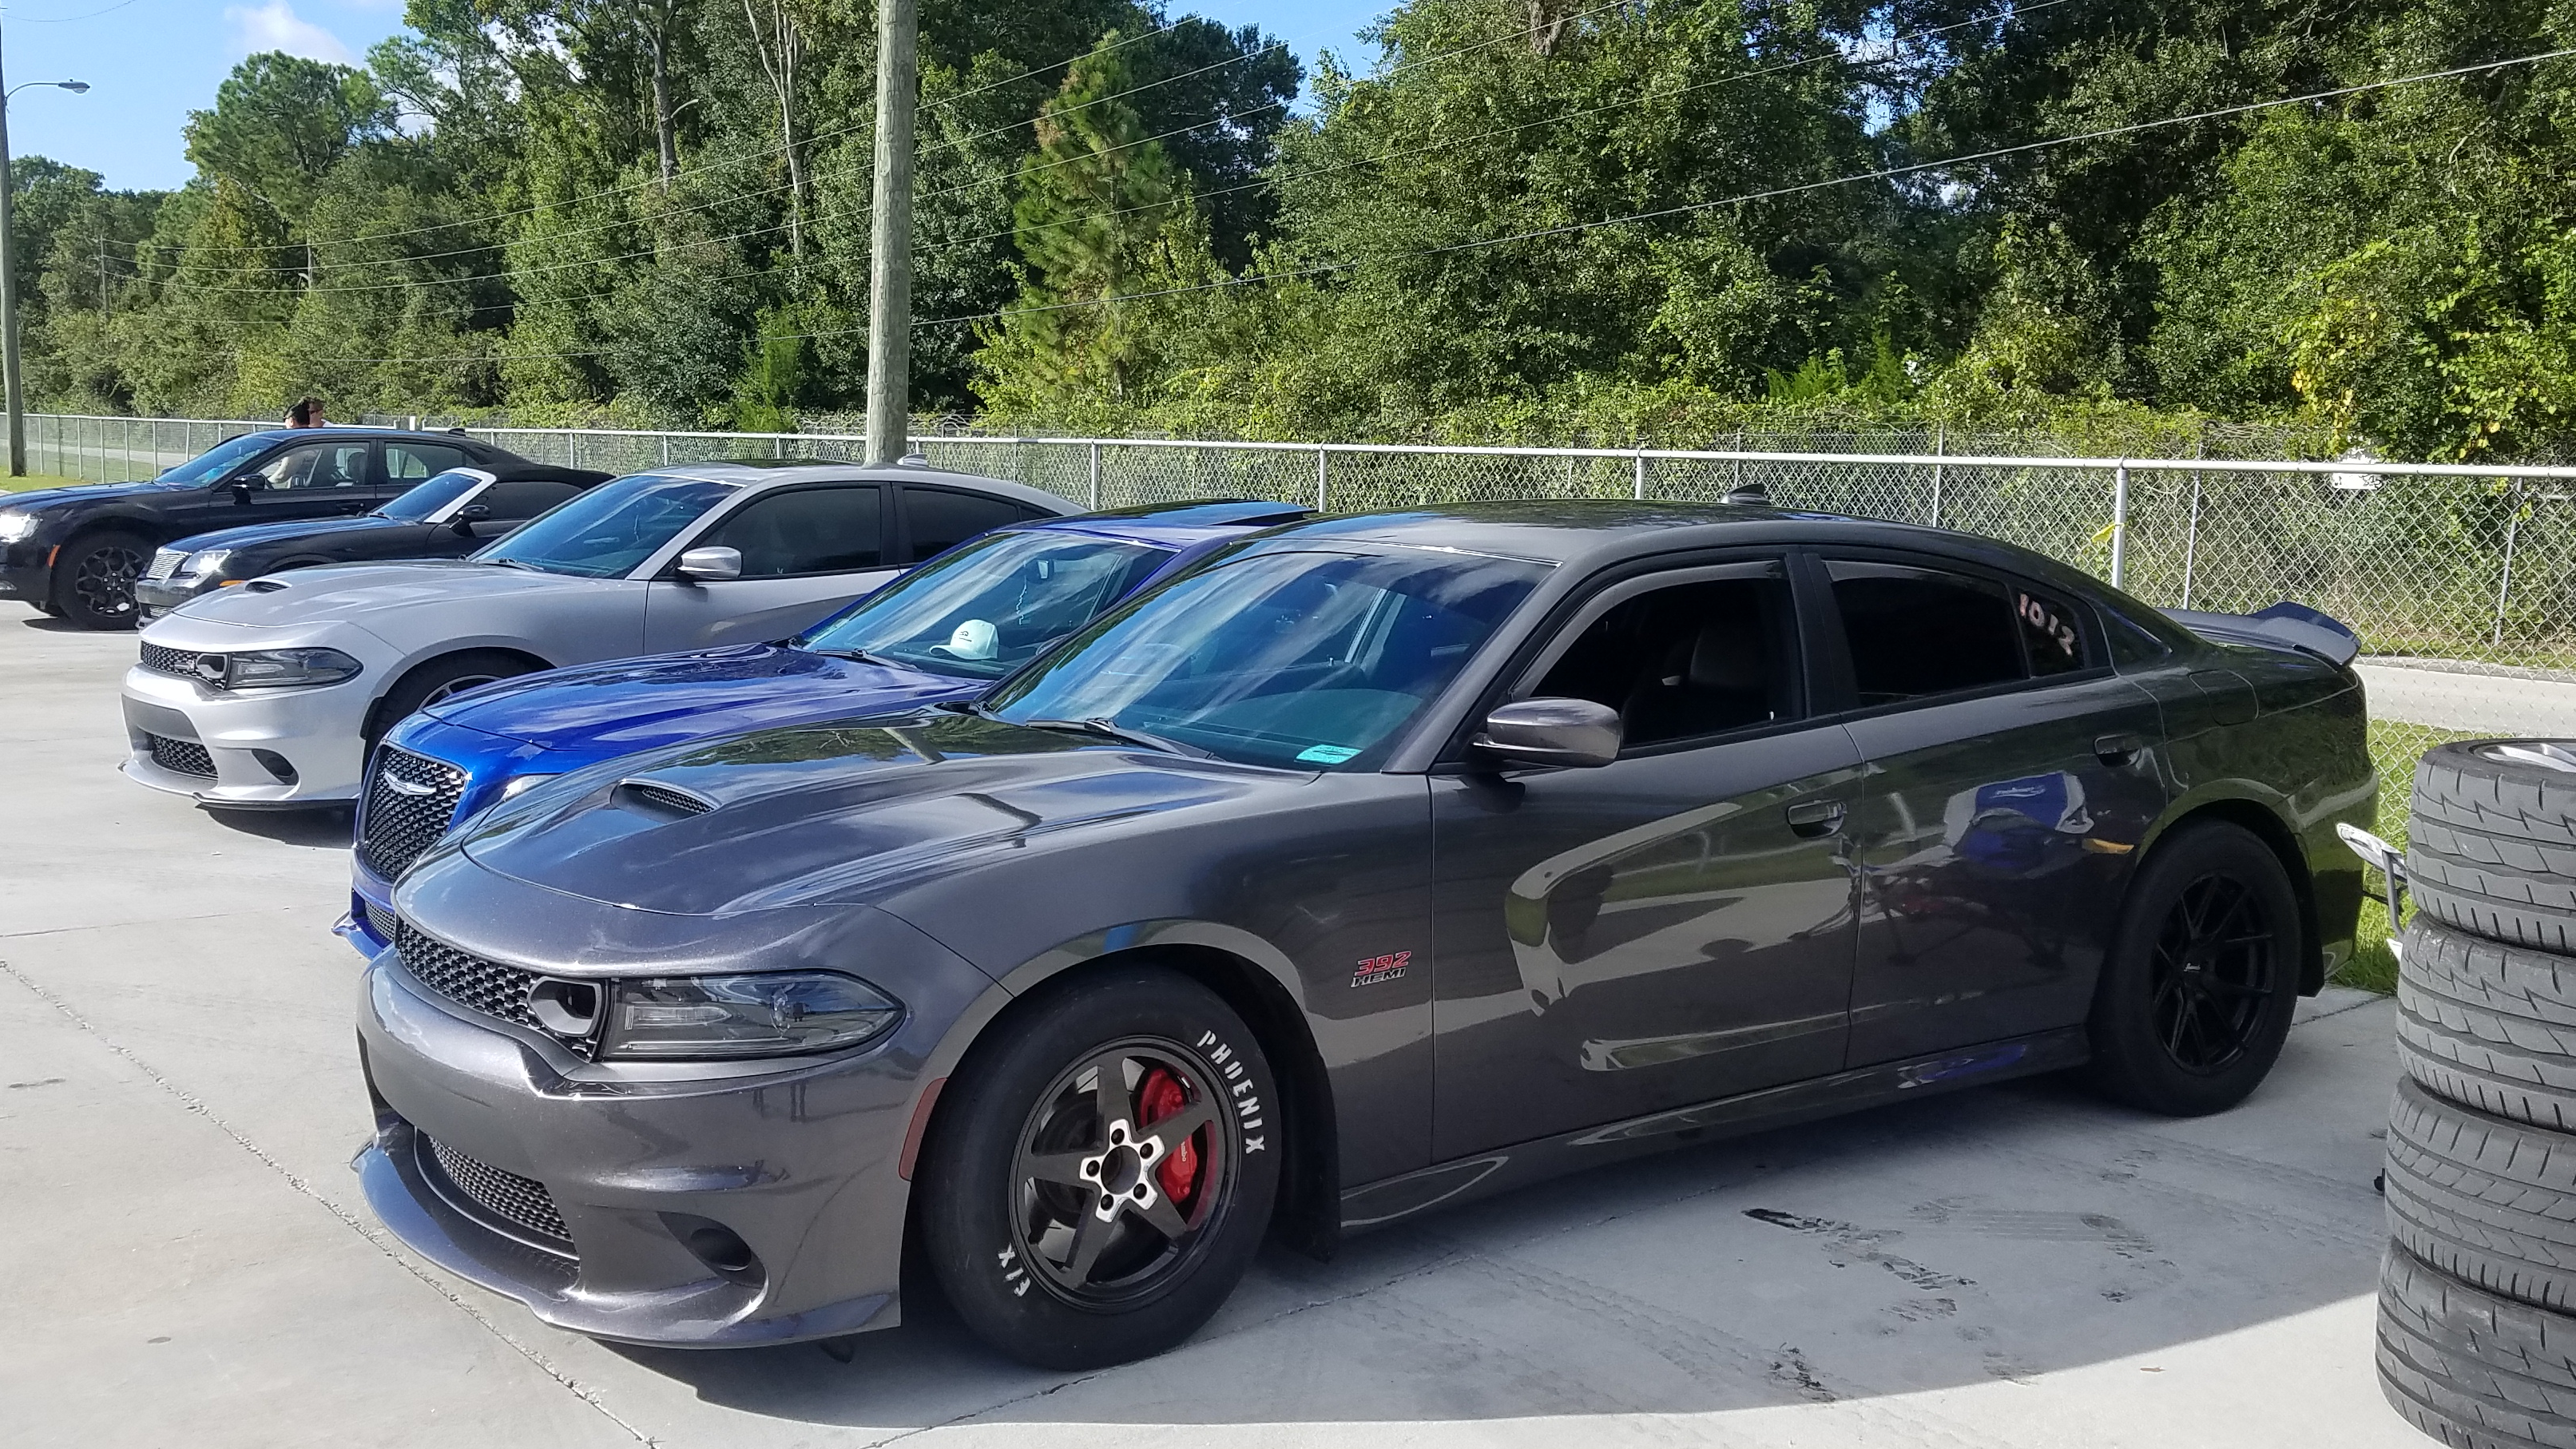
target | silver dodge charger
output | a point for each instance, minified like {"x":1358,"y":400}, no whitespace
{"x":271,"y":692}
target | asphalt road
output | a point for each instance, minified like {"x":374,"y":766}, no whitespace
{"x":188,"y":1260}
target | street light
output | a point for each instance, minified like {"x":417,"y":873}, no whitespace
{"x":9,"y":282}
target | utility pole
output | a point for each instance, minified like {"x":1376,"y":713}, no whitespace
{"x":9,"y":299}
{"x":890,"y":240}
{"x":102,"y":280}
{"x":9,"y":278}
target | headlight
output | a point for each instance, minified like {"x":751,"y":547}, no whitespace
{"x":773,"y":1014}
{"x":205,"y":561}
{"x":279,"y":668}
{"x":15,"y":525}
{"x":520,"y":785}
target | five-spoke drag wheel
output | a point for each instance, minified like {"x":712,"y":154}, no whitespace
{"x":1102,"y":1169}
{"x":2195,"y":999}
{"x":94,"y":579}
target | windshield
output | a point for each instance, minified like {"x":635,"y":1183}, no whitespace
{"x":606,"y":532}
{"x":1296,"y":659}
{"x":432,"y":494}
{"x":984,"y":610}
{"x":219,"y":460}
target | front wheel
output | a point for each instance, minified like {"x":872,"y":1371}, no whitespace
{"x":94,"y":580}
{"x":439,"y":679}
{"x":2196,"y":994}
{"x":1102,"y":1170}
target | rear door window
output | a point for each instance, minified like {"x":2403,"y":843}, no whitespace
{"x":938,"y":519}
{"x":1914,"y":632}
{"x":526,"y":498}
{"x":408,"y":463}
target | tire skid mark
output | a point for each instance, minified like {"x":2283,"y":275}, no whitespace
{"x":2030,"y":1226}
{"x":1666,"y":1333}
{"x":1863,"y":1244}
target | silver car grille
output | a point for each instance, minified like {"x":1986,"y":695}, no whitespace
{"x":410,"y":801}
{"x":472,"y":982}
{"x":181,"y":757}
{"x":170,"y":661}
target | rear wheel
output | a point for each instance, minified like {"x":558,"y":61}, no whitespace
{"x":437,"y":680}
{"x":2196,"y":994}
{"x":94,"y":579}
{"x":1102,"y":1171}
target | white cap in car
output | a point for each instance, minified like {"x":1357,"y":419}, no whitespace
{"x":974,"y":639}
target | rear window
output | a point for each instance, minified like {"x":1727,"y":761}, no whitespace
{"x":1918,"y":633}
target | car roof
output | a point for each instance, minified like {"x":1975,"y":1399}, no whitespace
{"x":359,"y":431}
{"x":767,"y":473}
{"x":1179,"y":525}
{"x":1583,"y":534}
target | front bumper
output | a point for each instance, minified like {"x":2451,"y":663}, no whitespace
{"x":799,"y":1164}
{"x":26,"y":572}
{"x":156,"y":597}
{"x":244,"y":736}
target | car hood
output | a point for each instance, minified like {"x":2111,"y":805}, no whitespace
{"x":626,"y":705}
{"x":252,"y":534}
{"x":350,"y":593}
{"x":842,"y":814}
{"x":86,"y":493}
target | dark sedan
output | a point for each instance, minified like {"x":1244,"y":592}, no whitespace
{"x":1375,"y":864}
{"x":448,"y":516}
{"x":75,"y":553}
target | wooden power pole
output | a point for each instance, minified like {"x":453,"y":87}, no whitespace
{"x":890,"y":239}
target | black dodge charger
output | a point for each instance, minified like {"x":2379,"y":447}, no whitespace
{"x":446,"y":516}
{"x":1375,"y":864}
{"x":75,"y":553}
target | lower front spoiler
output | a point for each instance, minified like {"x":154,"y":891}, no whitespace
{"x":695,"y":1315}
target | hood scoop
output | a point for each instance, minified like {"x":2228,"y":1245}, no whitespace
{"x":659,"y":801}
{"x":265,"y":586}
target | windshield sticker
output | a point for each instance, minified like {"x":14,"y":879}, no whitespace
{"x":1326,"y":754}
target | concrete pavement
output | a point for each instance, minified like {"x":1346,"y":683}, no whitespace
{"x":188,"y":1260}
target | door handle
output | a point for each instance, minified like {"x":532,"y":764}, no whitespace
{"x":2117,"y":750}
{"x":1815,"y":817}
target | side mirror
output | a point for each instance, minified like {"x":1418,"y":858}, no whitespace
{"x":1574,"y":732}
{"x":466,"y":517}
{"x":243,"y":488}
{"x":705,"y":564}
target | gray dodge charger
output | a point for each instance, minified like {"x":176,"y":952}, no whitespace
{"x":1376,"y":864}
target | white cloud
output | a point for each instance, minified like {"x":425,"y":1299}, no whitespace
{"x":276,"y":26}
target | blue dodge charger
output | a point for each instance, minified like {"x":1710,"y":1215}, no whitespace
{"x":949,"y":630}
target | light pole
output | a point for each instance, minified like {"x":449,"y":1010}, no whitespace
{"x":9,"y":282}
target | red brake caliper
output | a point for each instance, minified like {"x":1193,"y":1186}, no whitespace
{"x":1159,"y":1096}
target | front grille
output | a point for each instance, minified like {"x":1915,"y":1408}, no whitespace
{"x":519,"y":1201}
{"x":470,"y":981}
{"x":182,"y":757}
{"x":410,"y":800}
{"x":170,"y":661}
{"x":380,"y":921}
{"x":166,"y":563}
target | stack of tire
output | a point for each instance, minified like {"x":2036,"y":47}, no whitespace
{"x":2477,"y":1303}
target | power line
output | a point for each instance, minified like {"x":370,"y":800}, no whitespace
{"x":1886,"y":173}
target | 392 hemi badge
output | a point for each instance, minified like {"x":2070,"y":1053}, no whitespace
{"x":1381,"y":968}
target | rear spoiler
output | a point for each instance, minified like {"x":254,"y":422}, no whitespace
{"x":2283,"y":626}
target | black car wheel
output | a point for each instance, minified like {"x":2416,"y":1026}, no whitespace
{"x":438,"y":679}
{"x":94,"y":579}
{"x":1102,"y":1170}
{"x":2195,"y":997}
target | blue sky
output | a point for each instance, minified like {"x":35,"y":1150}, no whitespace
{"x":150,"y":62}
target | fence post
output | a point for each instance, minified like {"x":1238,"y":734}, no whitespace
{"x":666,"y":451}
{"x":2191,"y":539}
{"x":1738,"y":485}
{"x":1095,"y":477}
{"x":2119,"y":522}
{"x":569,"y":460}
{"x":2512,"y":526}
{"x":1641,"y":475}
{"x":1940,"y":446}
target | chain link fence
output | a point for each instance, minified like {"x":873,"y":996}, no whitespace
{"x":2465,"y":577}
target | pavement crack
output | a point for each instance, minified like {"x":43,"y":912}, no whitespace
{"x":374,"y":1237}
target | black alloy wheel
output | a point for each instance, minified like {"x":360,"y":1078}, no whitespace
{"x":2196,"y":992}
{"x":2213,"y":975}
{"x":94,"y":580}
{"x":1101,"y":1169}
{"x":1120,"y":1169}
